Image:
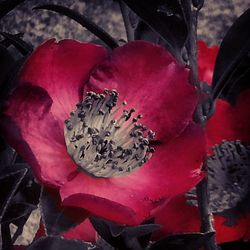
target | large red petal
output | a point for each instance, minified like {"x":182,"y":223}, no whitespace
{"x":31,"y":129}
{"x":150,"y":80}
{"x":206,"y":61}
{"x":62,"y":69}
{"x":230,"y":122}
{"x":173,"y":169}
{"x":178,"y":217}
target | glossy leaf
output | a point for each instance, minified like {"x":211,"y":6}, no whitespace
{"x":141,"y":230}
{"x":29,"y":190}
{"x":232,"y":57}
{"x":144,"y":32}
{"x":103,"y":228}
{"x":121,"y":236}
{"x":191,"y":241}
{"x":23,"y":47}
{"x":166,"y":19}
{"x":3,"y":144}
{"x":6,"y":62}
{"x":58,"y":219}
{"x":238,"y":81}
{"x":7,"y":157}
{"x":84,"y":21}
{"x":130,"y":20}
{"x":16,"y":211}
{"x":10,"y":182}
{"x":23,"y":201}
{"x":57,"y":243}
{"x":9,"y":80}
{"x":198,"y":3}
{"x":145,"y":239}
{"x":5,"y":242}
{"x":236,"y":245}
{"x":6,"y":43}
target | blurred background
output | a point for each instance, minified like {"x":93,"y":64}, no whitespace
{"x":39,"y":25}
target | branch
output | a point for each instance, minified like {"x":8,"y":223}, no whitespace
{"x":202,"y":187}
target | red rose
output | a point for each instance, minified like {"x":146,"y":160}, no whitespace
{"x":51,"y":83}
{"x":228,"y":123}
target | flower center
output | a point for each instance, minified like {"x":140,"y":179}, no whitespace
{"x":228,"y":175}
{"x":228,"y":171}
{"x":105,"y":141}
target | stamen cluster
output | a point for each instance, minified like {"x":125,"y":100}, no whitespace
{"x":105,"y":141}
{"x":228,"y":175}
{"x":228,"y":172}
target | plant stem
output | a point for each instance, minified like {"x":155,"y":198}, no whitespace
{"x":206,"y":215}
{"x":202,"y":187}
{"x":191,"y":16}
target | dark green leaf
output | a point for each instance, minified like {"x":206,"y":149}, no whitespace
{"x":110,"y":232}
{"x":141,"y":230}
{"x":16,"y":211}
{"x":129,"y":19}
{"x":57,"y":243}
{"x":144,"y":32}
{"x":232,"y":61}
{"x":84,"y":21}
{"x":191,"y":241}
{"x":7,"y":157}
{"x":198,"y":4}
{"x":23,"y":47}
{"x":166,"y":19}
{"x":236,"y":245}
{"x":6,"y":43}
{"x":6,"y":63}
{"x":237,"y":82}
{"x":23,"y":201}
{"x":10,"y":182}
{"x":56,"y":218}
{"x":123,"y":237}
{"x":9,"y":80}
{"x":3,"y":144}
{"x":7,"y":5}
{"x":5,"y":240}
{"x":29,"y":190}
{"x":145,"y":239}
{"x":104,"y":229}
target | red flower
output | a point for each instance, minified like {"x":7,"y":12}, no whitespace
{"x":228,"y":123}
{"x":178,"y":217}
{"x":52,"y":82}
{"x":206,"y":61}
